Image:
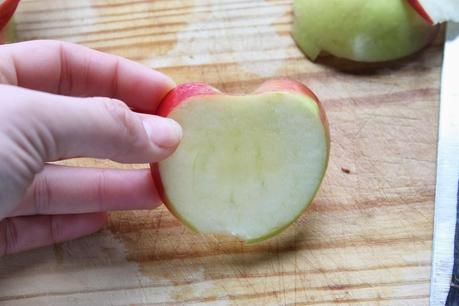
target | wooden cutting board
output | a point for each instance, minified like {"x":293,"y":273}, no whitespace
{"x":367,"y":237}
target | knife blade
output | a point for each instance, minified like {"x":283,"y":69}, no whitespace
{"x":445,"y":260}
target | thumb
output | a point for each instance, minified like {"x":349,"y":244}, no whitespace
{"x":65,"y":127}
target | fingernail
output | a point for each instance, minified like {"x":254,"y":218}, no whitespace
{"x":163,"y":132}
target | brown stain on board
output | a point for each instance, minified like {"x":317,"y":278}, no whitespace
{"x":284,"y":23}
{"x":148,"y":28}
{"x":346,"y":170}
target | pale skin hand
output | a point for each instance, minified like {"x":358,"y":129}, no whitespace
{"x":58,"y":101}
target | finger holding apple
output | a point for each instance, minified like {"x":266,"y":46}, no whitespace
{"x":248,"y":165}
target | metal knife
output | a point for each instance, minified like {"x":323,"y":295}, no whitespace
{"x":445,"y":266}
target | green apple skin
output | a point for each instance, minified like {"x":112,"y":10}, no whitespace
{"x":182,"y":94}
{"x":360,"y":30}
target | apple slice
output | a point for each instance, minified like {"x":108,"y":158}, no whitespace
{"x":247,"y":166}
{"x":359,"y":30}
{"x":437,"y":11}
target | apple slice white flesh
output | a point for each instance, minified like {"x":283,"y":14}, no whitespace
{"x":247,"y":165}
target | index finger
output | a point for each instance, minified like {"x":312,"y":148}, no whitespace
{"x":69,"y":69}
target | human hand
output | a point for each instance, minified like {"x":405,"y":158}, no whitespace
{"x":58,"y":101}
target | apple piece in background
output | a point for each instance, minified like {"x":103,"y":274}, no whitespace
{"x":7,"y":26}
{"x":247,"y":166}
{"x":360,"y":30}
{"x":437,"y":11}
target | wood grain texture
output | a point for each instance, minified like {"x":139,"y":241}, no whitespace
{"x":366,"y":239}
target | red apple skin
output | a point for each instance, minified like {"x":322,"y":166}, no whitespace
{"x":418,"y":7}
{"x":7,"y":9}
{"x":182,"y":94}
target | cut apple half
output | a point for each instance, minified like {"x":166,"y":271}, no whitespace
{"x":359,"y":30}
{"x":247,"y":166}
